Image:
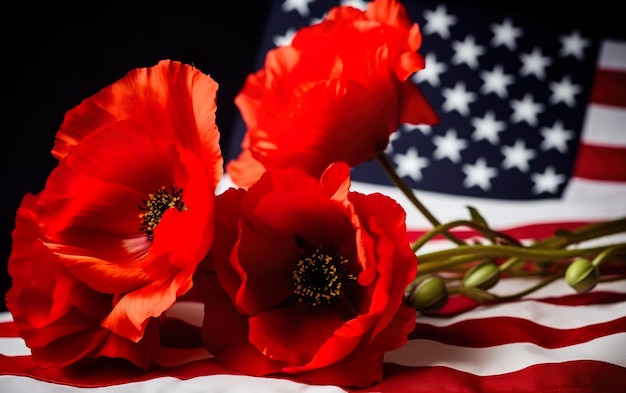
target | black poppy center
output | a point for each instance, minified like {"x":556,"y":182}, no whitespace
{"x":319,"y":277}
{"x":157,"y":203}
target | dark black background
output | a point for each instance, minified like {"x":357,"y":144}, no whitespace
{"x":55,"y":54}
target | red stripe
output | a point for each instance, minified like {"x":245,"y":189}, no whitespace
{"x":458,"y":304}
{"x":601,"y":163}
{"x":609,"y":87}
{"x":581,"y":376}
{"x":105,"y":372}
{"x":8,"y":329}
{"x":487,"y":332}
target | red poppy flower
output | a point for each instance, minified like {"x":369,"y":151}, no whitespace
{"x":307,"y":278}
{"x":335,"y":94}
{"x":123,"y":221}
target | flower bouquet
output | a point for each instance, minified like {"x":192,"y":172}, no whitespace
{"x":298,"y":275}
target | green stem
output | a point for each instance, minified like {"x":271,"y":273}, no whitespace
{"x":501,"y":251}
{"x":608,"y":252}
{"x":408,"y":192}
{"x":563,"y":239}
{"x":482,"y":295}
{"x":588,"y":232}
{"x":449,"y":225}
{"x":432,"y":262}
{"x":532,"y":289}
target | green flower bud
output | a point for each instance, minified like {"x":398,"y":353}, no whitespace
{"x":483,"y":276}
{"x":427,"y":294}
{"x":582,"y":275}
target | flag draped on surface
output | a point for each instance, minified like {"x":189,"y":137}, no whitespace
{"x":530,"y":135}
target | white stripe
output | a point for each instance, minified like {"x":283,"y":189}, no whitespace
{"x":5,"y":316}
{"x":604,"y":126}
{"x":555,"y":289}
{"x":13,"y":346}
{"x":205,"y":384}
{"x":506,"y":358}
{"x":583,"y":200}
{"x":564,"y":317}
{"x":612,"y":55}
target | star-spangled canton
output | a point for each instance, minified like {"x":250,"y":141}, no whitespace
{"x":510,"y":95}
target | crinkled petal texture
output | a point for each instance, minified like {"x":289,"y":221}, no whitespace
{"x":335,"y":94}
{"x":258,"y":323}
{"x":87,"y":280}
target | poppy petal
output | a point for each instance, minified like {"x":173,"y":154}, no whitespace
{"x":293,"y":335}
{"x":131,"y":314}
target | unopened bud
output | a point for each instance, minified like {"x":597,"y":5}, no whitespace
{"x":427,"y":294}
{"x":582,"y":275}
{"x":483,"y":276}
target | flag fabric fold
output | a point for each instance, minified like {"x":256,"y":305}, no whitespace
{"x":552,"y":341}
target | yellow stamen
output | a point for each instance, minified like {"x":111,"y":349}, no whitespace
{"x":156,"y":205}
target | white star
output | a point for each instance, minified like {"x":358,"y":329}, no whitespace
{"x":517,"y":156}
{"x":495,"y":81}
{"x":358,"y":4}
{"x":505,"y":34}
{"x":392,"y":137}
{"x":448,"y":146}
{"x":478,"y":174}
{"x":410,"y":164}
{"x":564,"y":91}
{"x":573,"y":45}
{"x":318,"y":20}
{"x":423,"y":128}
{"x":458,"y":99}
{"x":438,"y":21}
{"x":467,"y":52}
{"x":285,"y":39}
{"x":548,"y":181}
{"x":534,"y":63}
{"x":526,"y":110}
{"x":555,"y":137}
{"x":487,"y":128}
{"x":302,"y":6}
{"x":431,"y":72}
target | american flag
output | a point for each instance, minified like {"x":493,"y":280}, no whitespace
{"x":529,"y":135}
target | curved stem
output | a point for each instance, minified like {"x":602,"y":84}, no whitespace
{"x":439,"y":260}
{"x":408,"y":192}
{"x":532,"y":289}
{"x":449,"y":225}
{"x":500,"y":251}
{"x":482,"y":295}
{"x":608,"y":252}
{"x":587,"y":232}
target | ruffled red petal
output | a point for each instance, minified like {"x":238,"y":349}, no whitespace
{"x":85,"y":277}
{"x":294,"y":335}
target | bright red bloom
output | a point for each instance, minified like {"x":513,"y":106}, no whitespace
{"x":307,"y":278}
{"x":91,"y":277}
{"x":335,"y":94}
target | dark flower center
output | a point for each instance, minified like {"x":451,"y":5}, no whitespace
{"x":157,"y":203}
{"x":320,"y":277}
